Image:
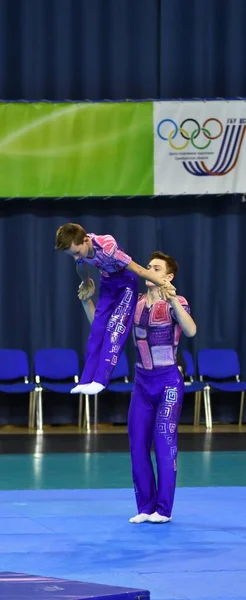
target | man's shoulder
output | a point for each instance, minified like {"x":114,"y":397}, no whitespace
{"x":183,"y":300}
{"x":141,"y":297}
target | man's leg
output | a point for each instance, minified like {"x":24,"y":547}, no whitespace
{"x":141,"y":421}
{"x":165,"y":442}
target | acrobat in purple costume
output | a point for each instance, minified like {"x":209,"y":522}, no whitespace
{"x":114,"y":311}
{"x":155,"y":405}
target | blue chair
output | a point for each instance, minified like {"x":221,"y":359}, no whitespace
{"x":119,"y":382}
{"x":194,"y":387}
{"x":53,"y":368}
{"x":14,"y":377}
{"x":121,"y":372}
{"x":218,"y":366}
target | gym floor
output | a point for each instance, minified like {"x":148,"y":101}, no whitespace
{"x":66,"y":497}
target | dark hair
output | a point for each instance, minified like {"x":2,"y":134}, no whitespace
{"x":172,"y":265}
{"x":68,"y":234}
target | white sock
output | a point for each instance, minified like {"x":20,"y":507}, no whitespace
{"x":93,"y":388}
{"x":79,"y":389}
{"x":156,"y":518}
{"x":142,"y":518}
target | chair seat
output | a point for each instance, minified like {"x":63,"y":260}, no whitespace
{"x":230,"y":386}
{"x":59,"y":388}
{"x":194,"y":386}
{"x":17,"y":388}
{"x":120,"y":386}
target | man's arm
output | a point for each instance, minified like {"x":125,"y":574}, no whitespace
{"x":185,"y":321}
{"x":146,"y":274}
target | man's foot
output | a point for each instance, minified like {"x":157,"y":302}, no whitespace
{"x":156,"y":518}
{"x":142,"y":518}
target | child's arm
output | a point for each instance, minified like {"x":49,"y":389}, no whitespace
{"x":82,"y":270}
{"x":146,"y":274}
{"x":85,"y":294}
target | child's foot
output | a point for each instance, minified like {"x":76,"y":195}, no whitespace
{"x":142,"y":518}
{"x":156,"y":518}
{"x":79,"y":389}
{"x":93,"y":388}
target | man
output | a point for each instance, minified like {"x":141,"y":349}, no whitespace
{"x":158,"y":389}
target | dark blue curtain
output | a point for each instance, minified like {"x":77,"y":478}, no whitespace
{"x":114,"y":49}
{"x":117,"y":49}
{"x":39,"y":305}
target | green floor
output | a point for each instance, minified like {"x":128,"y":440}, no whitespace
{"x":113,"y":470}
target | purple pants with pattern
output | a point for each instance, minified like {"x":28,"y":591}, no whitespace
{"x":153,"y":417}
{"x":112,"y":323}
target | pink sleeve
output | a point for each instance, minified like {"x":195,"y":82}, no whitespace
{"x":185,"y":305}
{"x":112,"y":252}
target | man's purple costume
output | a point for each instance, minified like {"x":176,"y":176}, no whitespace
{"x":155,"y":405}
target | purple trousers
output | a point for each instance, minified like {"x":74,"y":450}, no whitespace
{"x":153,"y":417}
{"x":112,"y":323}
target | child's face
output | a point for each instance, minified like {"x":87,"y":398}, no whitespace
{"x":80,"y":251}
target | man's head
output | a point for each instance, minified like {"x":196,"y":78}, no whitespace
{"x":164,"y":264}
{"x":73,"y":239}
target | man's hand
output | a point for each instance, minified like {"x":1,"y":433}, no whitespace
{"x":85,"y":292}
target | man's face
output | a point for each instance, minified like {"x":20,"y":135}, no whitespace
{"x":158,"y":266}
{"x":80,"y":251}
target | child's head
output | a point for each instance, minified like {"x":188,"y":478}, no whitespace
{"x":73,"y":239}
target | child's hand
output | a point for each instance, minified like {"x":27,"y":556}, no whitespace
{"x":159,"y":281}
{"x":167,"y":292}
{"x":85,"y":292}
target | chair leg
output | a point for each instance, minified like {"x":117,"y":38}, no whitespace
{"x":80,"y":410}
{"x":31,"y":405}
{"x":39,"y":411}
{"x":87,"y":421}
{"x":207,"y":407}
{"x":197,"y":410}
{"x":205,"y":399}
{"x":241,"y":409}
{"x":95,"y":411}
{"x":34,"y":409}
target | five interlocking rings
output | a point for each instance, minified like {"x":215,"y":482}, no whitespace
{"x":189,"y":138}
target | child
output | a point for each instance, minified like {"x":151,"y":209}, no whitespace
{"x":117,"y":300}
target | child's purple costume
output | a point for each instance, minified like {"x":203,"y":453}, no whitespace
{"x":114,"y":312}
{"x":155,"y":405}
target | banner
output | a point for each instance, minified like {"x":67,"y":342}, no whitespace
{"x":76,"y":149}
{"x":199,"y":147}
{"x":122,"y":149}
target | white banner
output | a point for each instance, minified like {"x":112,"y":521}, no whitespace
{"x":200,"y":147}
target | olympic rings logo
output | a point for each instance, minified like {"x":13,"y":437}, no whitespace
{"x":189,"y":137}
